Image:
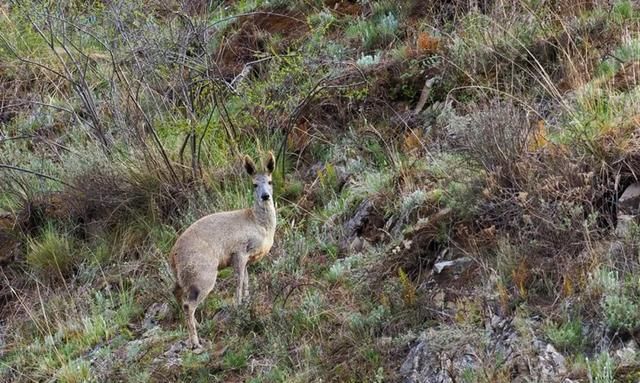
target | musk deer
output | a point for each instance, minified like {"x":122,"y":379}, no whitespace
{"x":231,"y":238}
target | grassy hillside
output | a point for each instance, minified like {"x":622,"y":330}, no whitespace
{"x":448,"y":188}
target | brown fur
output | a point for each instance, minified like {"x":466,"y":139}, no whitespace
{"x":231,"y":238}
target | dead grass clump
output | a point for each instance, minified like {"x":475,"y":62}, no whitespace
{"x":520,"y":53}
{"x":103,"y":197}
{"x":111,"y":196}
{"x":9,"y":240}
{"x":554,"y":205}
{"x":627,"y":77}
{"x":36,"y":209}
{"x":497,"y":138}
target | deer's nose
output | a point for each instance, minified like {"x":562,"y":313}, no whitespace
{"x":265,"y":197}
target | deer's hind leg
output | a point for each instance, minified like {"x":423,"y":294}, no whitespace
{"x":193,"y":296}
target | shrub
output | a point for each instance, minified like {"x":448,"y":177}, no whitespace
{"x":377,"y":32}
{"x":601,"y":370}
{"x":568,"y":336}
{"x":496,"y":136}
{"x":76,"y":371}
{"x":52,"y":253}
{"x":621,"y":312}
{"x":619,"y":303}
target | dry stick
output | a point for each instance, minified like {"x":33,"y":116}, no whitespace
{"x":183,"y":146}
{"x":204,"y":132}
{"x":13,"y":51}
{"x":19,"y":169}
{"x":294,"y":116}
{"x":84,"y":90}
{"x":121,"y":76}
{"x":190,"y":98}
{"x":14,"y":138}
{"x":498,"y":91}
{"x":80,"y":87}
{"x":318,"y":87}
{"x":220,"y":105}
{"x":27,"y":102}
{"x":154,"y":134}
{"x":235,"y":130}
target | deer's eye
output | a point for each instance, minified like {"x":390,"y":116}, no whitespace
{"x":269,"y":182}
{"x":255,"y":185}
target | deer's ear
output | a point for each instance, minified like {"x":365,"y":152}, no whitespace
{"x":271,"y":162}
{"x":249,"y":166}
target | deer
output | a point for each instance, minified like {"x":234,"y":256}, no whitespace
{"x":235,"y":239}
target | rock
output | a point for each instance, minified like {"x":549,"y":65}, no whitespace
{"x":427,"y":363}
{"x":423,"y":365}
{"x":616,"y":250}
{"x":497,"y":322}
{"x":552,"y":364}
{"x":357,"y":245}
{"x":627,"y":355}
{"x":354,"y":225}
{"x":625,"y":224}
{"x":446,"y":354}
{"x":172,"y":356}
{"x":365,"y":223}
{"x":629,"y":201}
{"x":154,"y":314}
{"x":439,"y":299}
{"x":455,"y":264}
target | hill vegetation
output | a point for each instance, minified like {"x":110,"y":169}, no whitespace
{"x":448,"y":186}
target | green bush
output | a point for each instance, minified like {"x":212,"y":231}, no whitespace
{"x":601,"y":370}
{"x":52,"y":253}
{"x":620,"y":304}
{"x":621,"y":312}
{"x":377,"y":32}
{"x":568,"y":336}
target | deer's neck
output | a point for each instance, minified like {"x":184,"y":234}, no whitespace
{"x":265,"y":215}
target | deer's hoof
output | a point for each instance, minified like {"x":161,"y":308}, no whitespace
{"x":195,"y":345}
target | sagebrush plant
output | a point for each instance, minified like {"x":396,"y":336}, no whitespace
{"x":376,"y":33}
{"x":619,"y":300}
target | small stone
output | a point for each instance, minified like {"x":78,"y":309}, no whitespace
{"x":629,"y":201}
{"x":495,"y":321}
{"x":155,"y":313}
{"x":457,"y":265}
{"x":627,"y":356}
{"x":438,"y":299}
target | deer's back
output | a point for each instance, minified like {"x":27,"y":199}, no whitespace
{"x":216,"y":238}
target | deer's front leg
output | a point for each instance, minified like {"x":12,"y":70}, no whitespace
{"x":241,"y":273}
{"x":245,"y":292}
